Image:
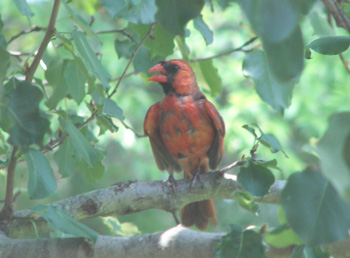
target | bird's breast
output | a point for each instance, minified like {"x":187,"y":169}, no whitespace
{"x":184,"y":127}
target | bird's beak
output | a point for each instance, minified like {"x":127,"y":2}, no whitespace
{"x":158,"y":77}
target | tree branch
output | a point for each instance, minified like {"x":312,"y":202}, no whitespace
{"x":340,"y":17}
{"x":176,"y":242}
{"x":49,"y":32}
{"x":227,"y":52}
{"x":133,"y":196}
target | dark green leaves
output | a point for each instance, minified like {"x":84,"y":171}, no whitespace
{"x":134,"y":11}
{"x":280,"y":35}
{"x":314,"y":210}
{"x":65,"y":159}
{"x":203,"y":28}
{"x":41,"y":180}
{"x":24,"y":121}
{"x":331,"y":45}
{"x":240,"y":242}
{"x":90,"y":60}
{"x":274,"y":92}
{"x":333,"y":150}
{"x":67,"y":77}
{"x":173,"y":15}
{"x":59,"y":220}
{"x":255,"y":179}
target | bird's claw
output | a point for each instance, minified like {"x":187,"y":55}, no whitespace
{"x":171,"y":182}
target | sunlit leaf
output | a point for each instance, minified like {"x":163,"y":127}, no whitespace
{"x":25,"y":122}
{"x":246,"y":201}
{"x":274,"y":92}
{"x":255,"y":179}
{"x":174,"y":15}
{"x":41,"y":180}
{"x":24,"y":8}
{"x":90,"y":60}
{"x":59,"y":219}
{"x":333,"y":151}
{"x":331,"y":45}
{"x":314,"y":209}
{"x":282,"y":236}
{"x":203,"y":28}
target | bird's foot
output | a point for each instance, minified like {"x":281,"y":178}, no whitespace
{"x":171,"y":182}
{"x":196,"y":178}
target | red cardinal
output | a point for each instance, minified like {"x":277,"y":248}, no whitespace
{"x":186,"y":133}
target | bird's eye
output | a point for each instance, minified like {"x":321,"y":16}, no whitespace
{"x":175,"y":68}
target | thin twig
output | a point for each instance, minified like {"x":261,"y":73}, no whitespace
{"x":226,"y":52}
{"x":49,"y":32}
{"x":345,"y":63}
{"x":126,"y":76}
{"x":122,"y":31}
{"x":132,"y":59}
{"x":7,"y":211}
{"x":133,"y":130}
{"x":35,"y":28}
{"x":230,"y":166}
{"x":341,"y":19}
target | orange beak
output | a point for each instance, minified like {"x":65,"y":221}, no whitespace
{"x":158,"y":77}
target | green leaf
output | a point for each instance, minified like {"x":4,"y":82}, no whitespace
{"x":90,"y":60}
{"x":124,"y":48}
{"x":174,"y":15}
{"x":93,"y":174}
{"x":203,"y":28}
{"x":105,"y":123}
{"x":4,"y":61}
{"x":282,"y":236}
{"x":161,"y":43}
{"x":112,"y":109}
{"x":65,"y":159}
{"x":81,"y":145}
{"x":54,"y":74}
{"x":41,"y":180}
{"x":25,"y":122}
{"x":246,"y":201}
{"x":332,"y":150}
{"x":274,"y":92}
{"x":330,"y":45}
{"x":240,"y":243}
{"x":255,"y":179}
{"x":134,"y":11}
{"x":59,"y":219}
{"x":269,"y":24}
{"x":75,"y":77}
{"x":24,"y":8}
{"x":211,"y":76}
{"x":314,"y":210}
{"x":251,"y":130}
{"x":84,"y":25}
{"x":286,"y":58}
{"x":143,"y":61}
{"x":270,"y":141}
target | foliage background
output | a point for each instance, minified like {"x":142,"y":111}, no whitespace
{"x":323,"y":89}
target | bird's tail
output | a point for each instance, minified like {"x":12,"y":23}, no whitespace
{"x":199,"y":213}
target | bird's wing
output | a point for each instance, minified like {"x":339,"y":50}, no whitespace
{"x":217,"y":148}
{"x":162,"y":156}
